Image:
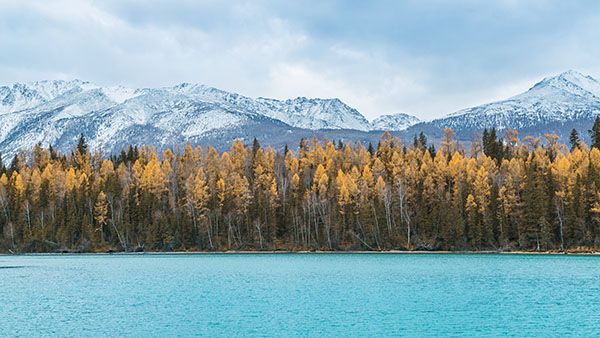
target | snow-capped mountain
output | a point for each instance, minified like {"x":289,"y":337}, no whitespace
{"x":56,"y":112}
{"x":398,"y":121}
{"x":315,"y":113}
{"x":570,"y":96}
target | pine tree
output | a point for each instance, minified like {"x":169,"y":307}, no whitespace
{"x":422,"y":140}
{"x":82,"y":144}
{"x":574,"y":139}
{"x":370,"y":149}
{"x":431,"y":150}
{"x":595,"y":133}
{"x":485,"y":139}
{"x":255,"y":147}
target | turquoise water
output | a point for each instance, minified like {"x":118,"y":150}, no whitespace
{"x":334,"y":295}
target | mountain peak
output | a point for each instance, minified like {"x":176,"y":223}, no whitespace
{"x":571,"y":72}
{"x":398,"y":121}
{"x":556,"y":101}
{"x":568,"y":76}
{"x":568,"y":83}
{"x":575,"y":77}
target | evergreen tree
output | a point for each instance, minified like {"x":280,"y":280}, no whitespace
{"x":423,"y":140}
{"x":485,"y":139}
{"x":370,"y":149}
{"x":595,"y":133}
{"x":82,"y":144}
{"x":492,"y":146}
{"x":574,"y":140}
{"x":431,"y":150}
{"x":255,"y":147}
{"x":14,"y":165}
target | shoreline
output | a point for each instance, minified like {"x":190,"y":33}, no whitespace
{"x":308,"y":252}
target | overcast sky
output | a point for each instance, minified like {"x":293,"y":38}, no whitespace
{"x":427,"y":58}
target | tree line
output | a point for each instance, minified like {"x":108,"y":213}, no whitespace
{"x":500,"y":194}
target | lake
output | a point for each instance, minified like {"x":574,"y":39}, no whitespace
{"x":305,"y":295}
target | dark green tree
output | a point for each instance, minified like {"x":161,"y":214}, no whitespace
{"x":255,"y":147}
{"x":14,"y":165}
{"x":432,"y":150}
{"x":574,"y":139}
{"x":595,"y":133}
{"x":422,"y":140}
{"x":370,"y":149}
{"x":82,"y":144}
{"x":485,"y":140}
{"x":492,"y":146}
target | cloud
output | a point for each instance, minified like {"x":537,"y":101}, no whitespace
{"x":426,"y":58}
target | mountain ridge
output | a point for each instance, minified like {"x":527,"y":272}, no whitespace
{"x":569,"y":96}
{"x":55,"y":112}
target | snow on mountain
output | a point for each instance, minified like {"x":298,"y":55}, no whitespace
{"x":315,"y":113}
{"x":55,"y":112}
{"x":22,"y":96}
{"x":120,"y":94}
{"x":566,"y":97}
{"x":300,"y":112}
{"x":46,"y":100}
{"x":398,"y":121}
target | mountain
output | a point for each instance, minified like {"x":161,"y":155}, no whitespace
{"x":56,"y":112}
{"x":554,"y":105}
{"x":398,"y":121}
{"x":315,"y":113}
{"x":300,"y":112}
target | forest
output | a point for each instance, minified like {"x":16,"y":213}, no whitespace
{"x":501,"y":194}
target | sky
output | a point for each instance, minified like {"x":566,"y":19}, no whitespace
{"x":426,"y":58}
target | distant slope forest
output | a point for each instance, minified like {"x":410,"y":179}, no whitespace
{"x":501,"y":194}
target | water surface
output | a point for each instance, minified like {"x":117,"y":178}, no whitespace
{"x":288,"y":295}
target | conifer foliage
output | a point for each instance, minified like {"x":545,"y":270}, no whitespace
{"x":502,"y":194}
